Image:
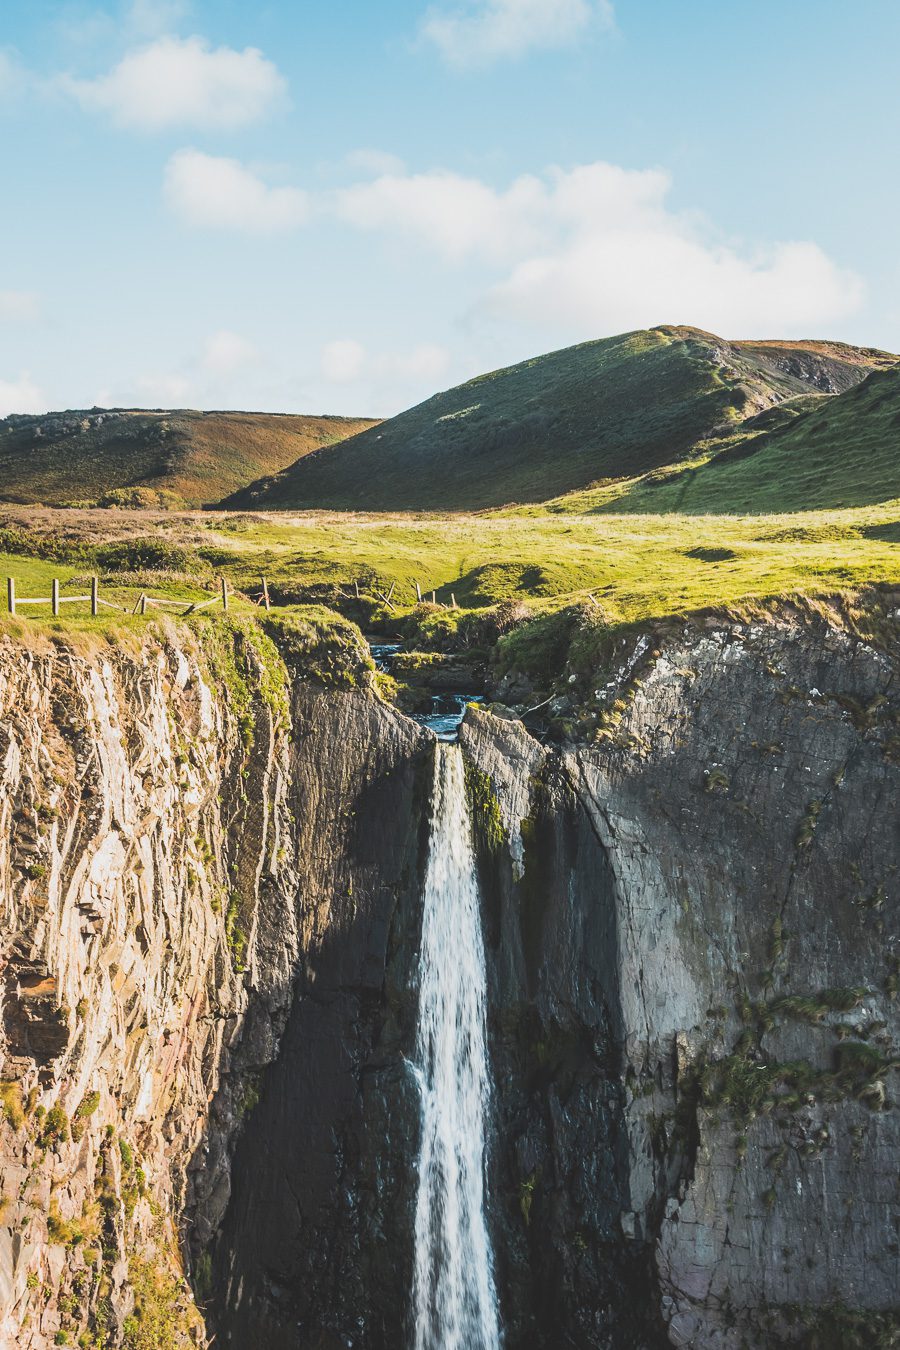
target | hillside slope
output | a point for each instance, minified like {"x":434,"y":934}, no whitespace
{"x":843,"y":452}
{"x":180,"y":458}
{"x":610,"y":409}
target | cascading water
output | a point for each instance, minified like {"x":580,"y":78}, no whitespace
{"x":454,"y":1297}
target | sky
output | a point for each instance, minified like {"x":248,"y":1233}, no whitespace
{"x":343,"y":207}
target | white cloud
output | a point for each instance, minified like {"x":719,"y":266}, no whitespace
{"x":343,"y":361}
{"x":21,"y":396}
{"x":579,"y":253}
{"x":483,"y":31}
{"x":206,"y":190}
{"x":347,"y":361}
{"x":597,"y":249}
{"x":607,"y":282}
{"x":163,"y":391}
{"x":151,"y":17}
{"x":457,"y":216}
{"x":18,"y":307}
{"x":184,"y":82}
{"x":226,"y":352}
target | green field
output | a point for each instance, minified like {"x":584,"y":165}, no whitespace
{"x":637,"y":566}
{"x":747,"y":485}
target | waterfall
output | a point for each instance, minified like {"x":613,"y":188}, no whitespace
{"x":454,"y":1297}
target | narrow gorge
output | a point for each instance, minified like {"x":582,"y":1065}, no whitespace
{"x":220,"y":853}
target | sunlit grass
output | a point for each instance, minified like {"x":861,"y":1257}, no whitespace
{"x":637,"y":565}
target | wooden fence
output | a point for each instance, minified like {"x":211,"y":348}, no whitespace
{"x":386,"y":599}
{"x":142,"y":604}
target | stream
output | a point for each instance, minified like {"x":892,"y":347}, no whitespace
{"x":447,"y":709}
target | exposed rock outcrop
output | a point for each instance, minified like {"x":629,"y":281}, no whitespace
{"x":695,"y":1014}
{"x":316,"y":1246}
{"x":142,"y":823}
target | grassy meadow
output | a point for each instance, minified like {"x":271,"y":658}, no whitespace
{"x":636,"y":566}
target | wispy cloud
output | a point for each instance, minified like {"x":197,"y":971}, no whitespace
{"x":578,"y":253}
{"x":19,"y":307}
{"x":163,"y":390}
{"x":14,"y":78}
{"x":373,"y":162}
{"x":204,"y":378}
{"x":343,"y":360}
{"x":21,"y":396}
{"x":183,"y":82}
{"x":346,"y":361}
{"x":481,"y":32}
{"x":217,"y":193}
{"x":597,"y":249}
{"x":152,"y":17}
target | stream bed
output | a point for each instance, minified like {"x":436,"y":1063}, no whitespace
{"x":447,"y":708}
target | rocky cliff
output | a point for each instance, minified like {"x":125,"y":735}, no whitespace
{"x":693,"y":926}
{"x":210,"y":868}
{"x":147,"y":879}
{"x":173,"y":819}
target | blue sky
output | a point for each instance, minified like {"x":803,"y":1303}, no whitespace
{"x":343,"y":207}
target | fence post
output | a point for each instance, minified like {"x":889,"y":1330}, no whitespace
{"x":11,"y":594}
{"x":418,"y":593}
{"x":224,"y":593}
{"x":143,"y":604}
{"x":453,"y":604}
{"x":54,"y":596}
{"x":95,"y":589}
{"x":266,"y":593}
{"x":434,"y":597}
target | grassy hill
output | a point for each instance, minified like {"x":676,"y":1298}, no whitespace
{"x":605,"y":410}
{"x":820,"y":454}
{"x":180,"y":458}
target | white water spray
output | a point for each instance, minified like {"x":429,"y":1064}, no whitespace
{"x":454,"y":1297}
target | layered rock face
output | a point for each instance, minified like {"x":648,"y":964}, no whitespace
{"x":142,"y":827}
{"x":210,"y":872}
{"x":316,"y":1248}
{"x":695,"y":944}
{"x":173,"y":827}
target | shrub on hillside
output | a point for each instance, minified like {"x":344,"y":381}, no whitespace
{"x":148,"y":555}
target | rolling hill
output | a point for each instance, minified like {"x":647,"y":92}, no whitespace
{"x":611,"y":409}
{"x":176,"y":459}
{"x":832,"y":453}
